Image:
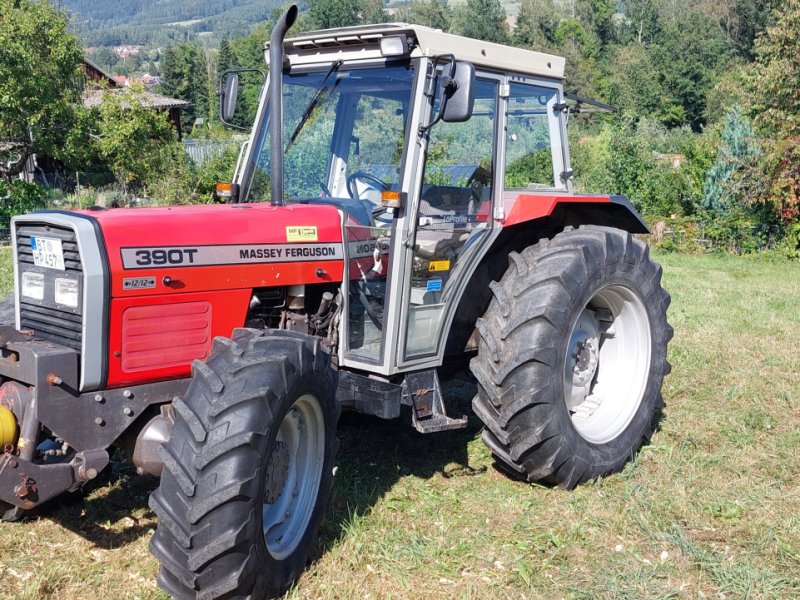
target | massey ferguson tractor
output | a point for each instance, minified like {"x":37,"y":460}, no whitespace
{"x":405,"y":199}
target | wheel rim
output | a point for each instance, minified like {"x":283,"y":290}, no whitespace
{"x":294,"y":471}
{"x":607,"y":364}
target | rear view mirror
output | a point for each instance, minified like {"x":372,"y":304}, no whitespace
{"x":456,"y":92}
{"x":461,"y":99}
{"x":229,"y":96}
{"x":231,"y":113}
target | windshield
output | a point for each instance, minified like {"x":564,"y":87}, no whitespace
{"x":344,"y":132}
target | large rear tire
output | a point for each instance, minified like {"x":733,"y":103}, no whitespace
{"x":572,"y":356}
{"x":248,"y":468}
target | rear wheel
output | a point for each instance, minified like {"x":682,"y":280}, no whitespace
{"x":572,"y":356}
{"x":248,"y":468}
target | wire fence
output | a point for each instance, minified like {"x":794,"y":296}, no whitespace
{"x":201,"y":151}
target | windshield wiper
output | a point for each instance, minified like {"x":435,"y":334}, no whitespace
{"x":323,"y":87}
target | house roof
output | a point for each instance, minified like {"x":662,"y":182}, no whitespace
{"x":94,"y":98}
{"x":92,"y":66}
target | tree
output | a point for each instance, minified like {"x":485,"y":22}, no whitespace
{"x":135,"y":141}
{"x":431,"y":13}
{"x":372,"y":12}
{"x":689,"y":58}
{"x":483,"y":20}
{"x":226,"y":59}
{"x":106,"y":58}
{"x":184,"y":76}
{"x":597,"y":16}
{"x":633,"y":82}
{"x":775,"y":89}
{"x":742,"y":20}
{"x":775,"y":83}
{"x":323,"y":14}
{"x":727,"y":179}
{"x":40,"y":76}
{"x":536,"y":25}
{"x":642,"y":22}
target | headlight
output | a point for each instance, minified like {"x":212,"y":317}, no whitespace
{"x":33,"y":285}
{"x":67,"y":292}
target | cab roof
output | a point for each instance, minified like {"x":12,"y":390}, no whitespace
{"x":363,"y":42}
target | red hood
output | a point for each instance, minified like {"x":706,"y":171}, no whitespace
{"x":219,"y":230}
{"x":213,"y":224}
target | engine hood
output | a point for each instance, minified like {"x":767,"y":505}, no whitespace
{"x":215,"y":247}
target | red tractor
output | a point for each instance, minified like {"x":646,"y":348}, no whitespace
{"x":405,"y":198}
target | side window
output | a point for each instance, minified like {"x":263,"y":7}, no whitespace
{"x":531,"y":125}
{"x":460,"y":154}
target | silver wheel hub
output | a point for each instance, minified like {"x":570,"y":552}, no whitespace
{"x":293,"y":475}
{"x":607,"y":363}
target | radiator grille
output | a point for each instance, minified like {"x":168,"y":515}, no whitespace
{"x":47,"y":319}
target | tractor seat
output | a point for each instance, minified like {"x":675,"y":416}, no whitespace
{"x":446,"y":215}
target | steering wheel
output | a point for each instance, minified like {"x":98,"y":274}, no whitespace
{"x":373,"y":181}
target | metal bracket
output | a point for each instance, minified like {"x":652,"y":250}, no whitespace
{"x":421,"y":391}
{"x":368,"y":395}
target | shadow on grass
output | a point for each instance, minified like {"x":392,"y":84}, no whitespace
{"x":374,"y":454}
{"x":109,"y":511}
{"x":112,"y":511}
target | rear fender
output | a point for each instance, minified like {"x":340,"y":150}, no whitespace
{"x":531,"y":218}
{"x":546,"y":211}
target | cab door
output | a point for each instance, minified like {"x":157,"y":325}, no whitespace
{"x":451,"y":225}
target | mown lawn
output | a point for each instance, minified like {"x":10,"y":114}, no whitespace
{"x":710,"y":509}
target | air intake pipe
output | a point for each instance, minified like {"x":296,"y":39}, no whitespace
{"x":276,"y":102}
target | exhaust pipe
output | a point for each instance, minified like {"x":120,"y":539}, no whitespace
{"x":276,"y":102}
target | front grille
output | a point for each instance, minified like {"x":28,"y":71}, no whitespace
{"x":47,"y":319}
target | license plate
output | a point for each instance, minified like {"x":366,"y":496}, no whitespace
{"x":47,"y":253}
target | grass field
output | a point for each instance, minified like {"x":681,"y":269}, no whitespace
{"x":709,"y":510}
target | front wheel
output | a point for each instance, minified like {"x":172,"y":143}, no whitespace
{"x":248,"y":468}
{"x":572,"y":356}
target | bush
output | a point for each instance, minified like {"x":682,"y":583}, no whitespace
{"x":630,"y":160}
{"x":185,"y":182}
{"x":742,"y":231}
{"x":19,"y":197}
{"x":737,"y":231}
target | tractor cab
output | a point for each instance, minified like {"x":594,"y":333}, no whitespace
{"x":418,"y":137}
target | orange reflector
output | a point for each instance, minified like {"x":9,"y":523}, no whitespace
{"x":224,"y":190}
{"x":391,"y":199}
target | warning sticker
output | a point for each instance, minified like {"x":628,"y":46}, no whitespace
{"x":301,"y":234}
{"x":439,"y":265}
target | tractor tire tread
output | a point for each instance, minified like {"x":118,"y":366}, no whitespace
{"x":221,"y":426}
{"x":516,"y":398}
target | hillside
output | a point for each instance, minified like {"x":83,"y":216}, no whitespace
{"x":110,"y":22}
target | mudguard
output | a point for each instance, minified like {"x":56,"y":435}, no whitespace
{"x":572,"y":209}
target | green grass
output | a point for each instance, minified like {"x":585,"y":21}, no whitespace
{"x":709,"y":509}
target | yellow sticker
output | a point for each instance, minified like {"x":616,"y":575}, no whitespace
{"x":301,"y":234}
{"x":439,"y":265}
